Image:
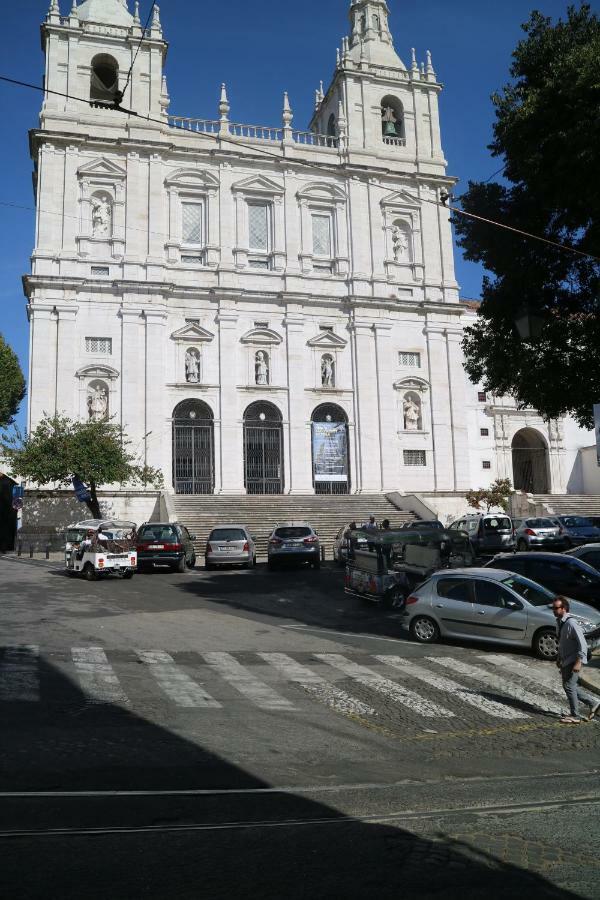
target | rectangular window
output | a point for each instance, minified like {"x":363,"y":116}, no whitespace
{"x":415,"y":458}
{"x":482,"y":396}
{"x":258,"y":228}
{"x":261,"y":324}
{"x":99,"y":346}
{"x":487,"y":464}
{"x":485,"y":432}
{"x":195,"y":260}
{"x":410,"y":360}
{"x":192,"y":223}
{"x":322,"y":236}
{"x":100,"y":272}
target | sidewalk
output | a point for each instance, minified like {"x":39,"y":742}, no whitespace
{"x":38,"y":556}
{"x":590,"y":677}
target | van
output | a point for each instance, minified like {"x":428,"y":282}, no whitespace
{"x":489,"y":533}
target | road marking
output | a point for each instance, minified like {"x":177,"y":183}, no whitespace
{"x":175,"y":683}
{"x":245,"y":682}
{"x":498,"y":682}
{"x":473,"y":698}
{"x":396,"y":692}
{"x":537,"y":674}
{"x":96,"y":676}
{"x":317,"y":686}
{"x":19,"y":675}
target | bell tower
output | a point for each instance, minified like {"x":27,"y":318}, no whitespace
{"x":370,"y":36}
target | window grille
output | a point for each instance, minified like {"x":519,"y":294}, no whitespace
{"x":321,"y":228}
{"x":415,"y":458}
{"x":485,"y":432}
{"x":193,"y":260}
{"x":487,"y":464}
{"x":258,"y":227}
{"x":191,"y":223}
{"x":410,"y":360}
{"x":99,"y":346}
{"x":192,"y":322}
{"x":261,"y":324}
{"x":482,"y":396}
{"x":100,"y":272}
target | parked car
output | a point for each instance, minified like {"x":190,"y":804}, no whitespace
{"x":488,"y":533}
{"x":595,"y":520}
{"x":426,"y":524}
{"x":230,"y":545}
{"x":341,"y":544}
{"x":165,"y":544}
{"x":588,"y":553}
{"x":538,"y":534}
{"x":558,"y":572}
{"x":577,"y":530}
{"x":488,"y":604}
{"x":293,"y":542}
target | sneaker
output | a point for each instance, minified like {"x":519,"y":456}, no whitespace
{"x":593,"y":711}
{"x":569,"y":720}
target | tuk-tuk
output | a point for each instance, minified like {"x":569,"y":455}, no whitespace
{"x":397,"y":560}
{"x":98,"y":547}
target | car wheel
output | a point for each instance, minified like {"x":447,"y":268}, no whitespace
{"x":545,"y":644}
{"x":424,"y":630}
{"x":192,"y":561}
{"x":180,"y":566}
{"x":127,"y":575}
{"x":250,"y":564}
{"x":522,"y":546}
{"x":89,"y":572}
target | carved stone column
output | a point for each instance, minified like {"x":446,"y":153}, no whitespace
{"x":231,"y":467}
{"x":298,"y":451}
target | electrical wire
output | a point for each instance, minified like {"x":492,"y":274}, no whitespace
{"x":124,"y":91}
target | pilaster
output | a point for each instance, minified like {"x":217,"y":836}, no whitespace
{"x":441,"y":426}
{"x":365,"y":389}
{"x":299,"y":442}
{"x":458,"y":407}
{"x":66,"y":351}
{"x":230,"y":472}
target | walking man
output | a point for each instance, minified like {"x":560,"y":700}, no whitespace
{"x":572,"y":655}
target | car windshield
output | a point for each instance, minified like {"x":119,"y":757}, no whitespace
{"x":227,"y":534}
{"x":157,"y":533}
{"x":533,"y":593}
{"x":540,"y":523}
{"x":583,"y":570}
{"x":497,"y":523}
{"x":75,"y":535}
{"x":576,"y":522}
{"x":297,"y":532}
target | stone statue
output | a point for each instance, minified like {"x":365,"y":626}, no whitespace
{"x":97,"y":402}
{"x":388,"y":115}
{"x":262,"y":368}
{"x":192,"y":367}
{"x":412,"y":414}
{"x":399,"y":243}
{"x":327,"y":372}
{"x":101,"y":216}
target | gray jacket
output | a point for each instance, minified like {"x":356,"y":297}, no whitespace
{"x":572,"y":644}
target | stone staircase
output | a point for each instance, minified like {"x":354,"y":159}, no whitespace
{"x":325,"y":513}
{"x":566,"y":504}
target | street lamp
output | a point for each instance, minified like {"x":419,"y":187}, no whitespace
{"x":529,"y":325}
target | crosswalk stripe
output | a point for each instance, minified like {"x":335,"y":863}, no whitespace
{"x":498,"y":682}
{"x":473,"y":698}
{"x":176,"y":683}
{"x":391,"y":689}
{"x":317,"y":686}
{"x":245,"y":682}
{"x":19,"y":675}
{"x":97,"y":677}
{"x":550,"y":679}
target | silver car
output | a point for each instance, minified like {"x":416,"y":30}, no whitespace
{"x":230,"y":545}
{"x":494,"y":606}
{"x":294,"y":542}
{"x":341,"y":545}
{"x":538,"y":534}
{"x":588,"y":553}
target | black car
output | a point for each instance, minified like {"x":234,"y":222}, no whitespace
{"x":558,"y":572}
{"x":425,"y":524}
{"x":165,"y":544}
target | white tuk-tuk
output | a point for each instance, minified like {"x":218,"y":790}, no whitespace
{"x":98,"y":547}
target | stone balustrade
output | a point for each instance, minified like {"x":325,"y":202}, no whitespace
{"x":266,"y":133}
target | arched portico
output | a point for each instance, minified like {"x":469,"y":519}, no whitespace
{"x":330,"y":458}
{"x":193,"y":448}
{"x":530,"y":462}
{"x":263,"y":449}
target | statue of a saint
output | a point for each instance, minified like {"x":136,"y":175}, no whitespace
{"x":192,"y":367}
{"x":97,"y":402}
{"x":262,"y":368}
{"x":101,"y":216}
{"x":327,"y":372}
{"x":412,"y":414}
{"x":399,"y":243}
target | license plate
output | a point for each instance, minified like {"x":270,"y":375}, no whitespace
{"x":291,"y":547}
{"x":226,"y":549}
{"x":157,"y":547}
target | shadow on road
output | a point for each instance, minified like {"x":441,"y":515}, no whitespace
{"x":245,"y":841}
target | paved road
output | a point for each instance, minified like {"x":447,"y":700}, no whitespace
{"x":228,"y":733}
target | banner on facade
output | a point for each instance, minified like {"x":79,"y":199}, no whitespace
{"x":81,"y":492}
{"x":330,"y":451}
{"x":597,"y":429}
{"x":17,"y":497}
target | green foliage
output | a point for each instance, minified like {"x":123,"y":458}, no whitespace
{"x":12,"y":384}
{"x":496,"y":496}
{"x":95,"y":452}
{"x":547,"y":130}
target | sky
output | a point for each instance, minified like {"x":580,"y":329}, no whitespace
{"x":261,"y":50}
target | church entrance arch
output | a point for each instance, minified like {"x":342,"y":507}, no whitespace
{"x":263,"y":449}
{"x":330,"y":458}
{"x":530,"y":462}
{"x":193,"y":448}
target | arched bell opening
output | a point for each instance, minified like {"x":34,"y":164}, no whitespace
{"x":530,"y":462}
{"x":193,"y":448}
{"x":330,"y":450}
{"x":104,"y":78}
{"x":263,"y":449}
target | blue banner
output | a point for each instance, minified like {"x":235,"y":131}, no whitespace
{"x":81,"y":492}
{"x":330,"y":451}
{"x":17,"y":496}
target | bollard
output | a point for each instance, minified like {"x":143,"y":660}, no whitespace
{"x":47,"y":551}
{"x":31,"y":551}
{"x":19,"y":548}
{"x":322,"y":553}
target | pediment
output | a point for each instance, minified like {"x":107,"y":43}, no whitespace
{"x":321,"y":190}
{"x":258,"y":184}
{"x":192,"y":334}
{"x":327,"y":341}
{"x":192,"y":178}
{"x":401,"y":199}
{"x":97,"y":371}
{"x":261,"y":336}
{"x":103,"y":167}
{"x":412,"y":383}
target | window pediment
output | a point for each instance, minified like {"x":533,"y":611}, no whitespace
{"x":102,"y":168}
{"x":326,"y":340}
{"x":322,"y":191}
{"x":257,"y":184}
{"x":412,"y":384}
{"x":192,"y":179}
{"x":193,"y":334}
{"x":262,"y":337}
{"x":97,"y":372}
{"x":401,"y":200}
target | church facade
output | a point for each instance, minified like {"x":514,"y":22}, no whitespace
{"x":264,"y":310}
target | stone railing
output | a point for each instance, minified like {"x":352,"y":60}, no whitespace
{"x":261,"y":133}
{"x":394,"y":141}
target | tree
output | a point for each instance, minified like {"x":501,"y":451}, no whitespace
{"x":497,"y":495}
{"x":60,"y":449}
{"x":547,"y":131}
{"x":12,"y":384}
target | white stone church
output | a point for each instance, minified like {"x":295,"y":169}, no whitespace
{"x":266,"y":310}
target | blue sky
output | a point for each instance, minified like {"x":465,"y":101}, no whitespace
{"x":260,"y":50}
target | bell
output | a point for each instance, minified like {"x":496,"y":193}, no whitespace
{"x":389,"y":129}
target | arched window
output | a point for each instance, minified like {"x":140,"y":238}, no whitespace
{"x":331,"y":126}
{"x":193,"y":448}
{"x":392,"y":121}
{"x":104,"y":78}
{"x":376,"y":24}
{"x":331,"y":470}
{"x":263,"y":449}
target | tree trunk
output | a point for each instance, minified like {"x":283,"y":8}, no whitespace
{"x":93,"y":504}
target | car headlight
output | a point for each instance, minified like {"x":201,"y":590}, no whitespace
{"x":585,"y":624}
